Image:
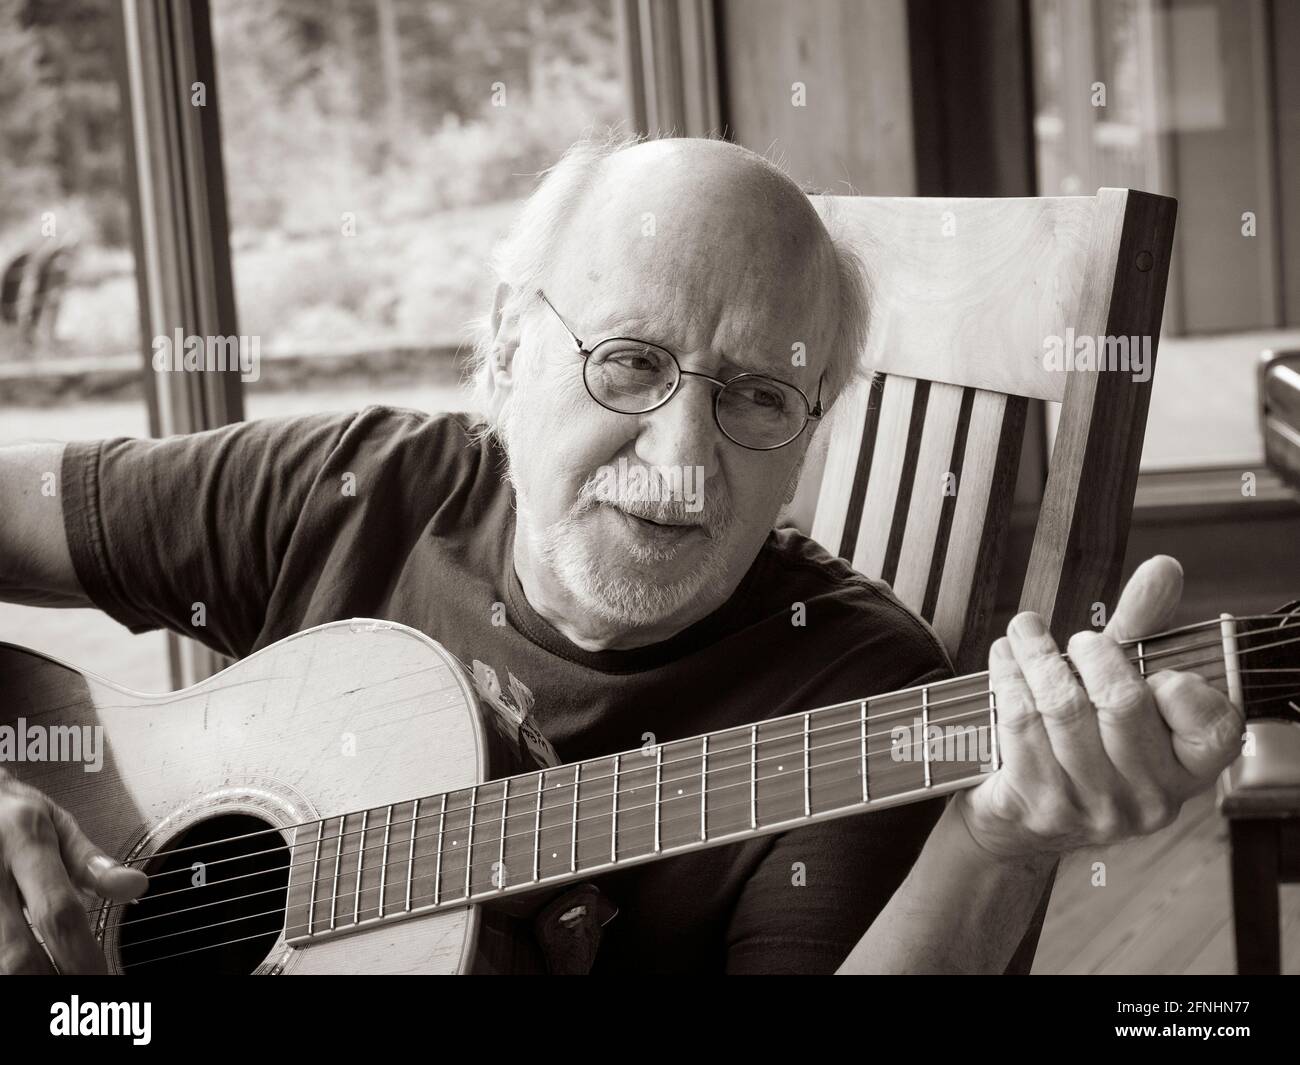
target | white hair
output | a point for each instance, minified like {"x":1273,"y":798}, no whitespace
{"x":522,"y":257}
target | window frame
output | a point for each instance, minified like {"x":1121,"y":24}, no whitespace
{"x":176,"y":188}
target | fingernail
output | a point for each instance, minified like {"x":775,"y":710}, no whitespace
{"x":1028,"y":626}
{"x":101,"y":864}
{"x":1001,"y":648}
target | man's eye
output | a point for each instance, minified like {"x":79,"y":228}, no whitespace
{"x":765,"y":396}
{"x":635,"y":359}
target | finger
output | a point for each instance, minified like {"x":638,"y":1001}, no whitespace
{"x":1148,"y":601}
{"x":90,"y":867}
{"x":1133,"y":734}
{"x":55,"y":908}
{"x":19,"y":951}
{"x":1068,"y":717}
{"x":1022,"y":740}
{"x":1205,"y":726}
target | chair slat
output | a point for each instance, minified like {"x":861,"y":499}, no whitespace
{"x":887,"y":465}
{"x":850,"y":443}
{"x":916,"y":562}
{"x":993,"y":441}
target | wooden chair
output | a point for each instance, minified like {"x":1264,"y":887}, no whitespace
{"x":964,"y":293}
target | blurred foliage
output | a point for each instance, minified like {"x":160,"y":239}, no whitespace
{"x":385,"y":107}
{"x":60,"y":134}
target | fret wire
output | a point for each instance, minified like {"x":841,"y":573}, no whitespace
{"x":501,"y":857}
{"x":315,"y":867}
{"x":704,"y":789}
{"x":865,"y":796}
{"x":1141,"y":662}
{"x":925,"y":731}
{"x":807,"y":770}
{"x":1231,"y":661}
{"x":356,"y":897}
{"x":437,"y":866}
{"x":659,"y":766}
{"x":613,"y":827}
{"x":573,"y":832}
{"x":993,"y":726}
{"x":410,"y":857}
{"x":537,"y":830}
{"x":753,"y":776}
{"x":338,"y":865}
{"x":469,"y":843}
{"x":383,"y":869}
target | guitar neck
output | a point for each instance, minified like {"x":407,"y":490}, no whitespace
{"x":569,"y":822}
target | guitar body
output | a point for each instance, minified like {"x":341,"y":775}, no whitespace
{"x":342,"y":717}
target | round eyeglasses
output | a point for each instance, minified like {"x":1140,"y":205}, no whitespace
{"x":631,"y":376}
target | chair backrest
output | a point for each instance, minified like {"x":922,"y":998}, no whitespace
{"x":921,"y":466}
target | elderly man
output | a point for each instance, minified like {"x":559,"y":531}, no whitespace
{"x":604,"y":543}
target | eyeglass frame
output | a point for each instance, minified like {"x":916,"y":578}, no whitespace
{"x":813,"y":412}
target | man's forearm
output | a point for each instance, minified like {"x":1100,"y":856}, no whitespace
{"x":960,"y":909}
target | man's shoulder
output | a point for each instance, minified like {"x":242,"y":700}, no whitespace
{"x":382,"y":434}
{"x":446,"y":460}
{"x":844,"y":599}
{"x":461,"y":428}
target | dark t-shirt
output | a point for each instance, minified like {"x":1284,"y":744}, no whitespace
{"x":282,"y":524}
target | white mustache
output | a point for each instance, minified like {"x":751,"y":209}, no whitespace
{"x":657,"y":504}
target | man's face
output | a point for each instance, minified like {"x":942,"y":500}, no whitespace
{"x":641,"y":518}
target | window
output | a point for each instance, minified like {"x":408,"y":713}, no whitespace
{"x":1192,"y":99}
{"x":70,"y":362}
{"x":375,"y":150}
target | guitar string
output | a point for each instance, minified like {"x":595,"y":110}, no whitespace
{"x":741,"y":784}
{"x":459,"y":901}
{"x":457,"y":878}
{"x":498,"y":841}
{"x":905,"y":710}
{"x":857,"y":738}
{"x":460,"y":873}
{"x":980,"y":708}
{"x":878,"y":718}
{"x":670,"y":782}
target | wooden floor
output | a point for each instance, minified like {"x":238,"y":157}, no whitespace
{"x":1166,"y":906}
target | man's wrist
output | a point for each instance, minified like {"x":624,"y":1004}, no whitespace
{"x":962,"y":908}
{"x":1032,"y":865}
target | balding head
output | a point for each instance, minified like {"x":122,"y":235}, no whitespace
{"x":695,"y":208}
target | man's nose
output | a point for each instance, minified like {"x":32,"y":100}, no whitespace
{"x":682,"y":432}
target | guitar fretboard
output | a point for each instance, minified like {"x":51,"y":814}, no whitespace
{"x":571,"y":821}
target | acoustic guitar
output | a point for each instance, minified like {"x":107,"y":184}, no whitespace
{"x":354,"y":799}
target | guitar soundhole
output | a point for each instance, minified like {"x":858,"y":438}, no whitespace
{"x":215,"y":903}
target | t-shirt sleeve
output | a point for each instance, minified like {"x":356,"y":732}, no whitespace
{"x":187,"y":532}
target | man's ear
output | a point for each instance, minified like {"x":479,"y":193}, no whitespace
{"x":499,"y":378}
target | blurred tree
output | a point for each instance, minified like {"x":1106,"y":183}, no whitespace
{"x":28,"y":118}
{"x":59,"y":111}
